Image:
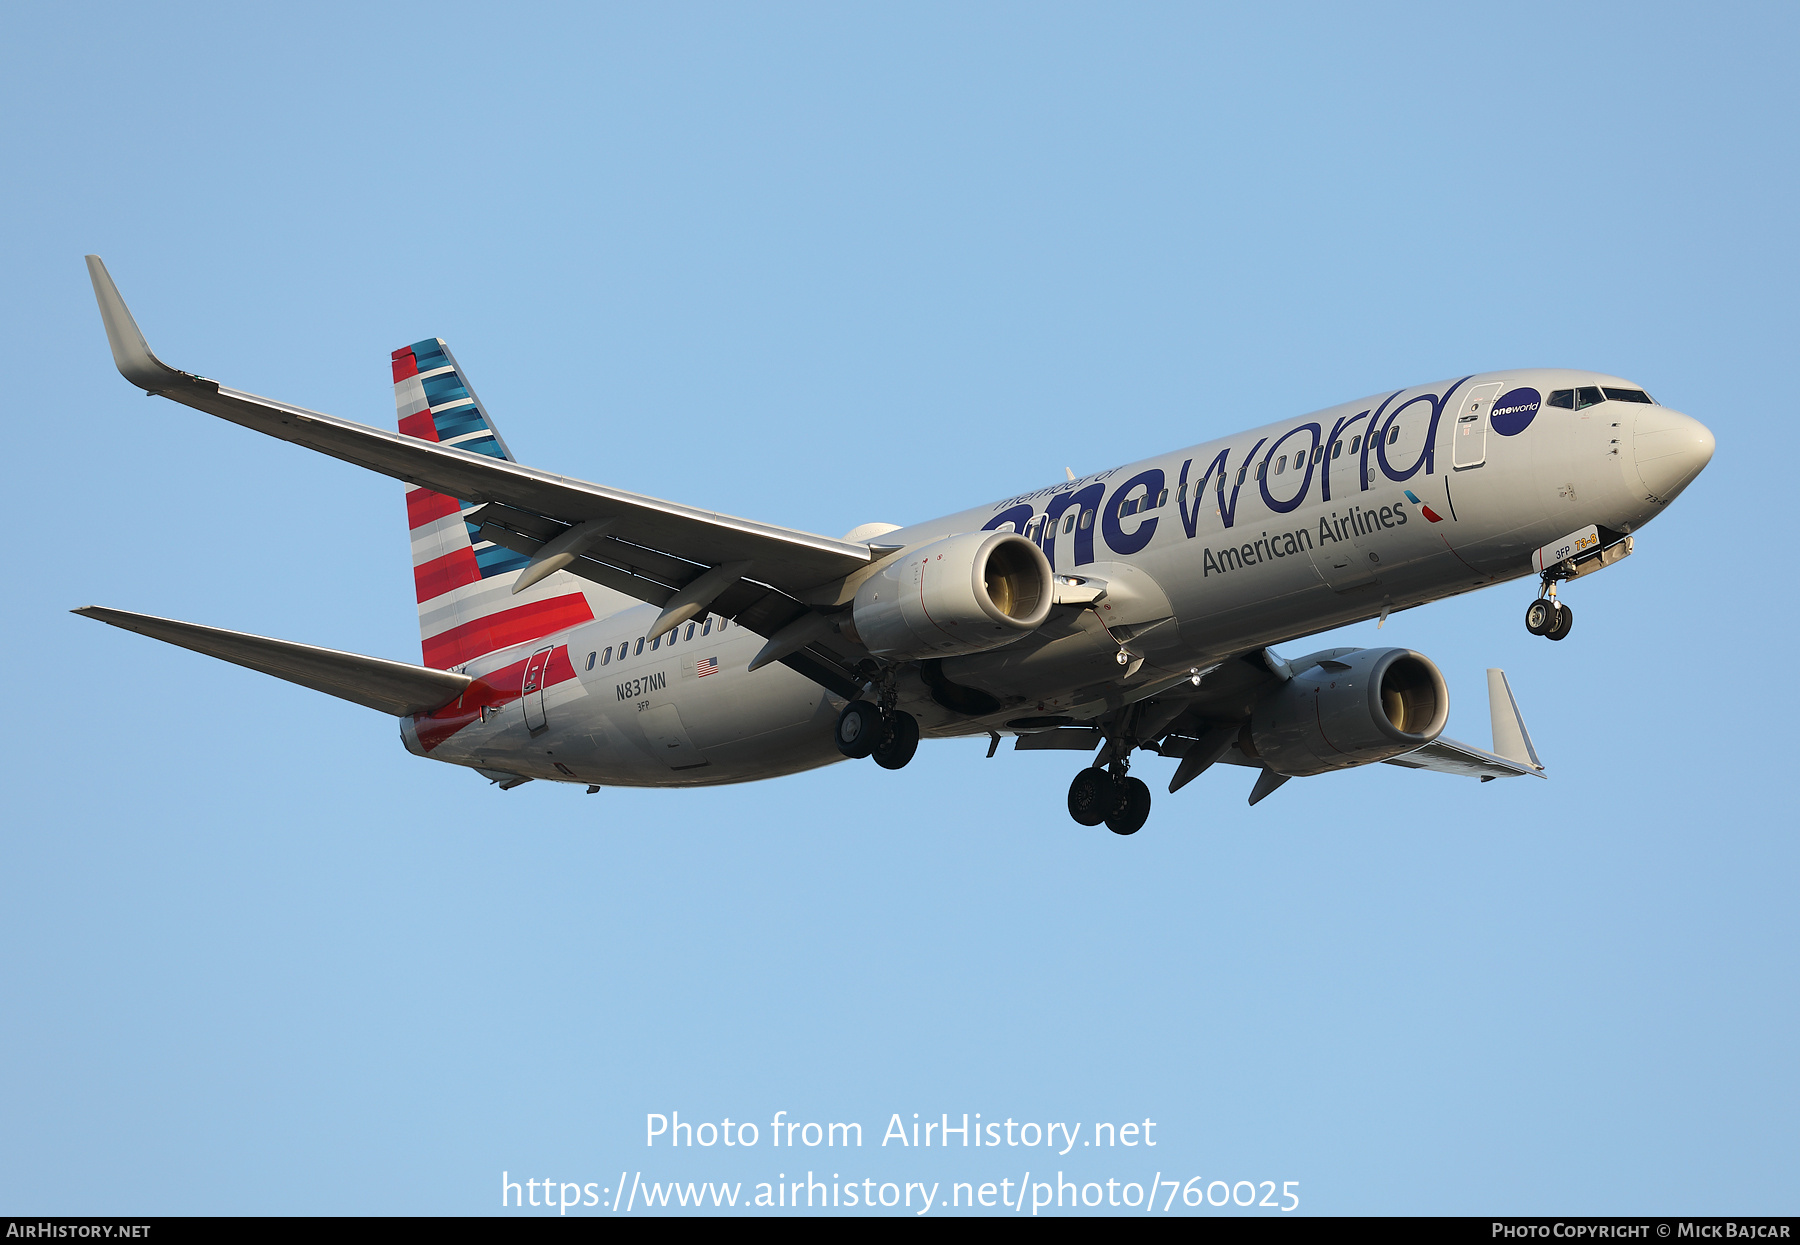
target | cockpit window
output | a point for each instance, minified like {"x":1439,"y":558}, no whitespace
{"x":1588,"y":395}
{"x":1564,"y":398}
{"x":1629,"y":395}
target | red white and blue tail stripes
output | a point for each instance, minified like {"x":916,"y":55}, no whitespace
{"x":464,"y":584}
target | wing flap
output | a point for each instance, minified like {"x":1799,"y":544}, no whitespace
{"x":393,"y":687}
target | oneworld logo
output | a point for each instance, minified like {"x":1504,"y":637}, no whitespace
{"x":1514,"y":412}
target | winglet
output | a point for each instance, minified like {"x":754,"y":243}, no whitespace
{"x":131,"y":353}
{"x":1511,"y":739}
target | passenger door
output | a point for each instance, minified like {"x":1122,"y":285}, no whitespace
{"x":1469,"y":433}
{"x":536,"y":670}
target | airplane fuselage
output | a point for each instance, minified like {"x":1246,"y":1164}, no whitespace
{"x":1169,"y":566}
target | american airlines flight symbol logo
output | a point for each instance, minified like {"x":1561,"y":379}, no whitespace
{"x":1431,"y":515}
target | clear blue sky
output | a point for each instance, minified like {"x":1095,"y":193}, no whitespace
{"x":825,"y":265}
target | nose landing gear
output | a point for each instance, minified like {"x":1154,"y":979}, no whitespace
{"x":1579,"y":553}
{"x":1548,"y":616}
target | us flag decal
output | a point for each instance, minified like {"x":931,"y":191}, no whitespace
{"x":706,"y":666}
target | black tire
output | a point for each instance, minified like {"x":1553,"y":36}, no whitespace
{"x":899,"y":740}
{"x":1565,"y":619}
{"x":1133,"y":810}
{"x":858,"y":729}
{"x":1092,"y":796}
{"x":1539,"y":615}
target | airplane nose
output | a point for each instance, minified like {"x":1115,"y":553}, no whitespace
{"x":1671,"y":449}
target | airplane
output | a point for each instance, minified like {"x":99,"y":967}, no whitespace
{"x":582,"y":634}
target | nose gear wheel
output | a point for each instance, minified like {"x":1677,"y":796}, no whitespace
{"x":1548,"y":616}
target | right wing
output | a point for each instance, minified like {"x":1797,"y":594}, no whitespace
{"x":1447,"y":756}
{"x":1513,"y":754}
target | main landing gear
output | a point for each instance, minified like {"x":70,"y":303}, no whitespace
{"x":891,"y":737}
{"x":1109,"y":796}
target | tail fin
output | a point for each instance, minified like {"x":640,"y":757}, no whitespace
{"x":466,"y":606}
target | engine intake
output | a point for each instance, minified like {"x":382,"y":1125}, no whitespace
{"x":962,"y":594}
{"x":1350,"y":710}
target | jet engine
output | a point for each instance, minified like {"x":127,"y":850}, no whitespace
{"x":1353,"y":709}
{"x":962,"y":594}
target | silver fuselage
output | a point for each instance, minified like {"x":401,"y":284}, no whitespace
{"x":1260,"y":537}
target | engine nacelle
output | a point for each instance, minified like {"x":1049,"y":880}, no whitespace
{"x":962,"y":594}
{"x":1351,"y":710}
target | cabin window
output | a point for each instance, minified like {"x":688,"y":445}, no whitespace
{"x":724,"y":623}
{"x":707,"y":629}
{"x":639,"y":650}
{"x":1161,"y":500}
{"x":1318,"y":452}
{"x":1087,"y":519}
{"x":1182,"y":494}
{"x":1588,"y":395}
{"x":1356,"y":443}
{"x":1242,"y":472}
{"x":1628,"y":395}
{"x":1262,"y":469}
{"x":1337,"y":448}
{"x":592,"y":657}
{"x":1130,"y":507}
{"x":1069,"y":523}
{"x":1393,"y":433}
{"x":1281,"y":464}
{"x":606,"y":659}
{"x":690,"y":630}
{"x":655,"y":643}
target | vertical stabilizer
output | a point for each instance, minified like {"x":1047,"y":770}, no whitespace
{"x":1511,"y":739}
{"x":464,"y":585}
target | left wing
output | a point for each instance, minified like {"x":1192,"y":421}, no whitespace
{"x":642,"y":546}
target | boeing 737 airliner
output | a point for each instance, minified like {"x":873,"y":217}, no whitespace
{"x":578,"y":633}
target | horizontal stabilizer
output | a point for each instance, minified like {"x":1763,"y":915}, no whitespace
{"x":391,"y":686}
